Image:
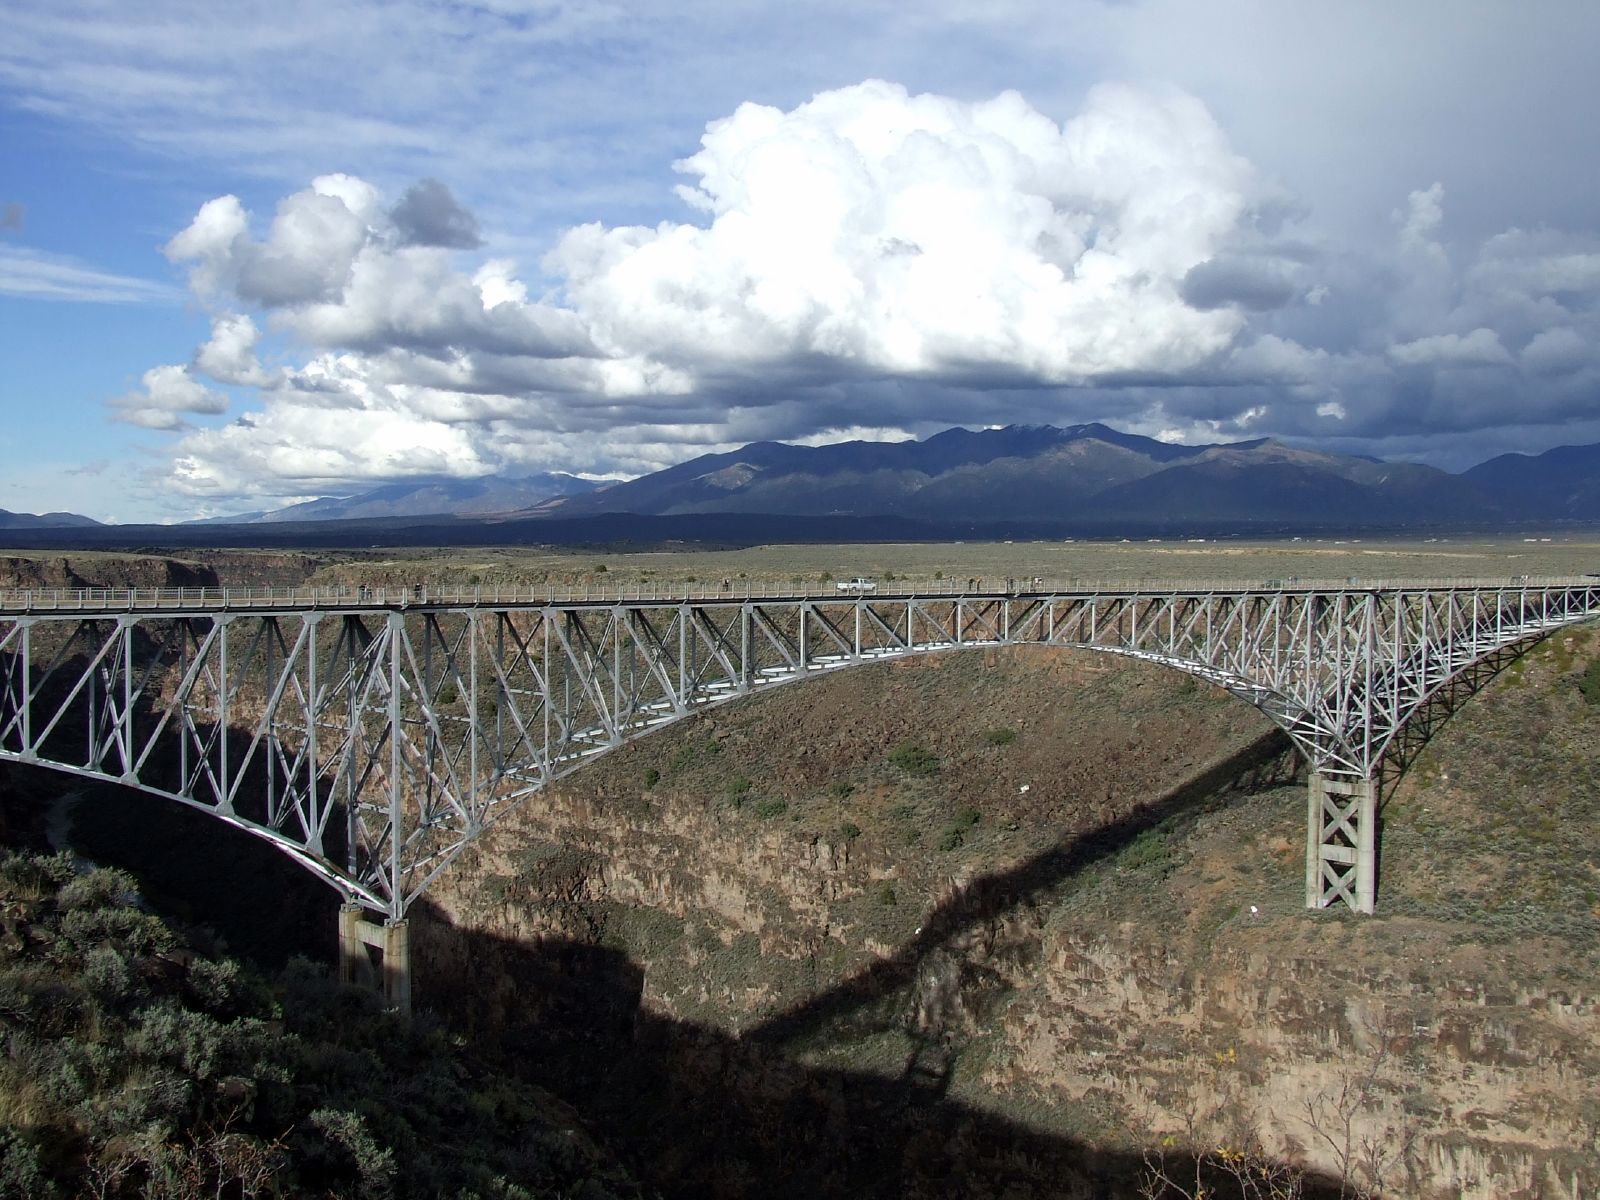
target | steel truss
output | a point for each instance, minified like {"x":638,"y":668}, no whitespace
{"x":373,"y":741}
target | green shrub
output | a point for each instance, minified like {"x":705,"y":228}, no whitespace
{"x":766,"y":809}
{"x":1148,"y":848}
{"x":914,"y":759}
{"x":691,"y":753}
{"x":1589,"y":682}
{"x":739,"y":785}
{"x":885,"y":894}
{"x":849,"y":831}
{"x":651,"y":777}
{"x":951,"y":837}
{"x":1000,"y":737}
{"x":103,"y":887}
{"x":968,"y":816}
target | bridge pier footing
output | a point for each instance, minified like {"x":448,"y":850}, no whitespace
{"x":1342,"y":842}
{"x":392,"y":940}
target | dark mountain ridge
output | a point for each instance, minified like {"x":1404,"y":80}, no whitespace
{"x":1085,"y":474}
{"x":431,"y":496}
{"x":49,"y":520}
{"x":1562,"y":482}
{"x":1085,"y":480}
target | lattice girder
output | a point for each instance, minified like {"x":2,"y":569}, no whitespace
{"x":373,"y":742}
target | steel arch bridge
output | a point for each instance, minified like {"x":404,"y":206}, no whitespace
{"x":373,"y":733}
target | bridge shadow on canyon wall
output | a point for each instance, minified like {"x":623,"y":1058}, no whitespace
{"x":704,"y":1112}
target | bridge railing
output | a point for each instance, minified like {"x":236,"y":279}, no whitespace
{"x":450,"y":595}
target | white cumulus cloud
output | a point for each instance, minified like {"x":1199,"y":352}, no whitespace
{"x":230,"y":355}
{"x":922,"y":235}
{"x":169,"y":392}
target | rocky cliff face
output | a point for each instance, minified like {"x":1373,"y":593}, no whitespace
{"x":1079,"y":911}
{"x":206,"y":568}
{"x":94,"y":571}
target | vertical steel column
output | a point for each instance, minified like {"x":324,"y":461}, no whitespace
{"x":685,"y":615}
{"x":26,"y":667}
{"x":396,"y":761}
{"x":125,"y":723}
{"x":619,"y":620}
{"x":313,"y":772}
{"x":546,"y":692}
{"x":224,"y":621}
{"x":472,"y":713}
{"x":270,"y":721}
{"x":744,"y":647}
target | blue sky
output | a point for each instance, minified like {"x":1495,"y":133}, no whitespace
{"x":254,"y":253}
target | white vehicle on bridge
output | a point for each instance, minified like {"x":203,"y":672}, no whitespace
{"x":859,"y":584}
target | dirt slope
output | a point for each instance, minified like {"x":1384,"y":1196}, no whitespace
{"x":1073,"y":925}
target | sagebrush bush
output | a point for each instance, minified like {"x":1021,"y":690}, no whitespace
{"x":131,"y":1070}
{"x":1589,"y":682}
{"x":914,"y":759}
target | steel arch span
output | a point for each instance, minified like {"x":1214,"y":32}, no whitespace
{"x":373,"y":734}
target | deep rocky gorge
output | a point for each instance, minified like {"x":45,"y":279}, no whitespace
{"x":1115,"y":959}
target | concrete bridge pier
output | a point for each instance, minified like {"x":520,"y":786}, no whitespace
{"x":392,"y":940}
{"x":1342,"y":842}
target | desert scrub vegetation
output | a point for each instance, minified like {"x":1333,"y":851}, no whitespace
{"x":136,"y":1067}
{"x":914,"y":759}
{"x":954,"y":835}
{"x":1589,"y":682}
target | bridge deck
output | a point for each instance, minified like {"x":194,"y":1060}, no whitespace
{"x":197,"y":601}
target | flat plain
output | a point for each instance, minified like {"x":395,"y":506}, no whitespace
{"x":990,"y":564}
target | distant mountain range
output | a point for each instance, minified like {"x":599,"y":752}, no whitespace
{"x":1022,"y":480}
{"x":1093,"y":475}
{"x":428,"y":497}
{"x":1563,"y":482}
{"x":49,"y":520}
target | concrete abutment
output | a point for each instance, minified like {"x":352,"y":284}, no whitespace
{"x":1342,"y":841}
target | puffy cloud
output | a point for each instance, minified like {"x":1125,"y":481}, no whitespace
{"x":307,"y":255}
{"x":230,"y":355}
{"x":1254,"y":283}
{"x":335,"y":273}
{"x":1480,"y":348}
{"x":428,"y":215}
{"x":921,"y":235}
{"x":169,"y":392}
{"x":1558,"y":351}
